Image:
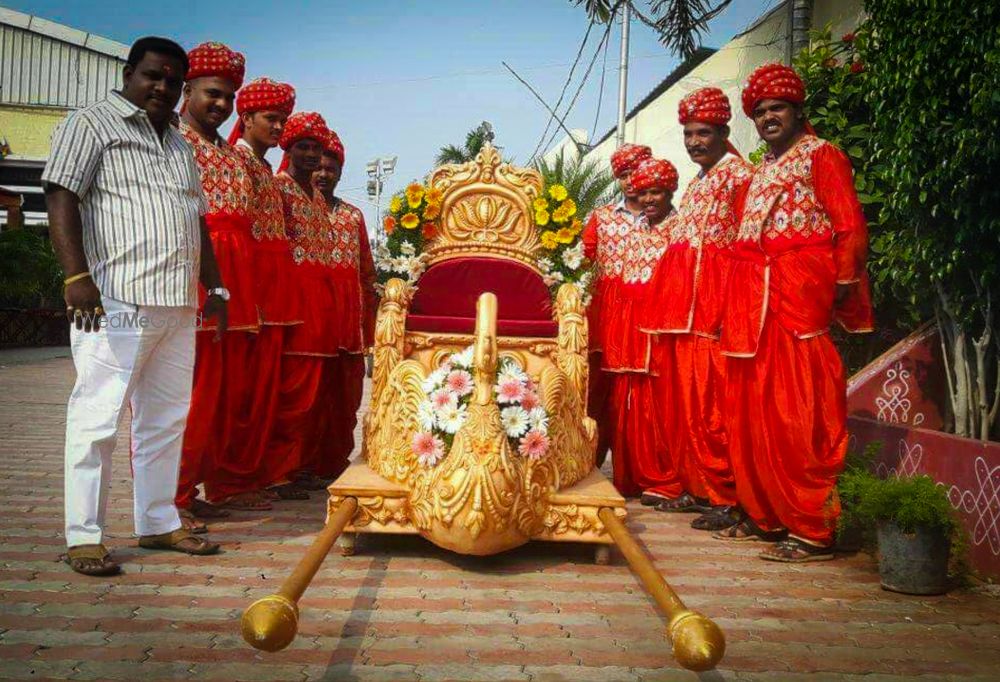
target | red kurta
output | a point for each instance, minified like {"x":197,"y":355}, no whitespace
{"x":802,"y":233}
{"x":625,"y":250}
{"x":220,"y":378}
{"x":684,"y":311}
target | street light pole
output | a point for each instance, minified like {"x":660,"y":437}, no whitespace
{"x":623,"y":74}
{"x":378,"y":170}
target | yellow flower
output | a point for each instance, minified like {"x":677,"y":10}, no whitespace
{"x":570,"y":207}
{"x":564,"y":235}
{"x":549,"y":240}
{"x":410,"y":220}
{"x":414,"y":194}
{"x":576,"y":226}
{"x":434,"y":196}
{"x":413,"y":200}
{"x":432,"y":211}
{"x":558,"y":192}
{"x":396,"y":205}
{"x":559,"y":215}
{"x":540,"y":204}
{"x":415,"y":188}
{"x":542,"y":218}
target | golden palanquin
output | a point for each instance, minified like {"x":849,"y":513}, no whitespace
{"x":483,"y":497}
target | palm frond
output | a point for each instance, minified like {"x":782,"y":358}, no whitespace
{"x":452,"y":154}
{"x":589,"y":185}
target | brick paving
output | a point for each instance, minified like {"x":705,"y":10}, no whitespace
{"x":403,"y":609}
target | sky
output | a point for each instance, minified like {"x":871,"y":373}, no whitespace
{"x":404,"y":78}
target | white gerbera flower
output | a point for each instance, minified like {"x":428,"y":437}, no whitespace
{"x":511,"y":371}
{"x":451,"y":418}
{"x":573,"y":257}
{"x":464,"y":358}
{"x":434,"y":381}
{"x":407,"y":249}
{"x":514,"y":420}
{"x":545,"y":265}
{"x":538,"y":420}
{"x":425,"y":415}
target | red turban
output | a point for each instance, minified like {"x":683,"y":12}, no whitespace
{"x":302,"y":125}
{"x":262,"y":94}
{"x":216,"y":60}
{"x":627,"y":157}
{"x":333,"y":145}
{"x":773,"y":81}
{"x":705,"y":105}
{"x":654,"y":173}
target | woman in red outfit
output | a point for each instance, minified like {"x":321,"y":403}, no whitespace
{"x":220,"y":377}
{"x":263,"y":106}
{"x":684,"y":313}
{"x":798,"y":264}
{"x":604,"y":238}
{"x":353,"y":272}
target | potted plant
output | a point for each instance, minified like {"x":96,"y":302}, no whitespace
{"x":852,"y":532}
{"x":914,"y":522}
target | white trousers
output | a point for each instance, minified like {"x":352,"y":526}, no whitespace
{"x":142,"y":357}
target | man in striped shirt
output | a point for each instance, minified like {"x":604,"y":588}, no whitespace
{"x":126,"y":217}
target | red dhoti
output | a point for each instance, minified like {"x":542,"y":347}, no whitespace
{"x":788,"y":436}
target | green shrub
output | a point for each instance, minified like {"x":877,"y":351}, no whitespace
{"x":908,"y":502}
{"x":30,"y":276}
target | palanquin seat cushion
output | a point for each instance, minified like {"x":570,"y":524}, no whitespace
{"x":445,"y":300}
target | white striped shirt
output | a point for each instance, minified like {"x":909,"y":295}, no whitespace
{"x":140,"y":202}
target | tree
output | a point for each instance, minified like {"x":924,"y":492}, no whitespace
{"x":474,"y":141}
{"x":680,"y":23}
{"x":932,"y":82}
{"x":588,"y":183}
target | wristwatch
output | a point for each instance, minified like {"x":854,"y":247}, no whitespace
{"x":221,"y":292}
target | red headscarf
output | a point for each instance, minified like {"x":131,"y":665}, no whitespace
{"x":333,"y":145}
{"x":654,"y":173}
{"x":627,"y":157}
{"x":774,"y":81}
{"x":300,"y":126}
{"x":262,"y":94}
{"x":217,"y":60}
{"x":707,"y":105}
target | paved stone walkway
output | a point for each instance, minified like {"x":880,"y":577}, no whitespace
{"x":403,"y":609}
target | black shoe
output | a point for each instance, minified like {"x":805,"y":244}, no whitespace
{"x":651,"y":500}
{"x":718,"y":518}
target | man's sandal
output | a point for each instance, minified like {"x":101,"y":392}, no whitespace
{"x":248,"y":502}
{"x":719,"y":518}
{"x":309,"y":482}
{"x":795,"y":551}
{"x":180,"y":540}
{"x":92,"y":560}
{"x":683,"y":505}
{"x":206,"y":510}
{"x":288,"y":491}
{"x":191,"y":522}
{"x":651,"y":499}
{"x":747,"y":531}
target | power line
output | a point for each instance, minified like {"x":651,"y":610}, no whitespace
{"x":562,"y":93}
{"x":538,"y":97}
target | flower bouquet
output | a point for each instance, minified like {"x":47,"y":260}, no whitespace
{"x":560,"y":232}
{"x":411,"y":223}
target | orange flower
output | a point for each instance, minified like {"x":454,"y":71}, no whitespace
{"x":564,"y":235}
{"x":434,"y":195}
{"x":389,"y":224}
{"x":432,"y":211}
{"x":429,"y":230}
{"x":410,"y":220}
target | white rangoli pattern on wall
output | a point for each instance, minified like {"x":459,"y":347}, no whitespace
{"x":893,"y":405}
{"x":982,"y":504}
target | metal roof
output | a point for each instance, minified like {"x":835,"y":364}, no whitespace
{"x":43,"y":63}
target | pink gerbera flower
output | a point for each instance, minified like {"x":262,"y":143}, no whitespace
{"x":442,"y":398}
{"x":534,"y":444}
{"x":428,"y":448}
{"x":530,"y":401}
{"x":510,"y":391}
{"x":459,"y":382}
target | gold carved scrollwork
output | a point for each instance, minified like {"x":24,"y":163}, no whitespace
{"x":563,"y":519}
{"x":393,"y":423}
{"x":486,"y":209}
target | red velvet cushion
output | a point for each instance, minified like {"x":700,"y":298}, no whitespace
{"x":446,"y":297}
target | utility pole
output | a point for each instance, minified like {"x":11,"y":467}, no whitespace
{"x":378,"y":170}
{"x":623,"y":73}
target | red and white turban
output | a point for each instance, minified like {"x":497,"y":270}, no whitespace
{"x":627,"y":157}
{"x":262,"y":94}
{"x":773,"y":81}
{"x":302,"y":125}
{"x":217,"y":60}
{"x":654,"y":173}
{"x":333,"y":145}
{"x":705,"y":105}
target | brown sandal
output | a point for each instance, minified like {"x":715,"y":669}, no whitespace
{"x":191,"y":522}
{"x":288,"y":491}
{"x":180,"y":540}
{"x":92,"y":560}
{"x":795,"y":551}
{"x":248,"y":502}
{"x":747,"y":531}
{"x":205,"y":510}
{"x":683,"y":505}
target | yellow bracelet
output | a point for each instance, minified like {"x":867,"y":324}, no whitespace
{"x":75,"y":278}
